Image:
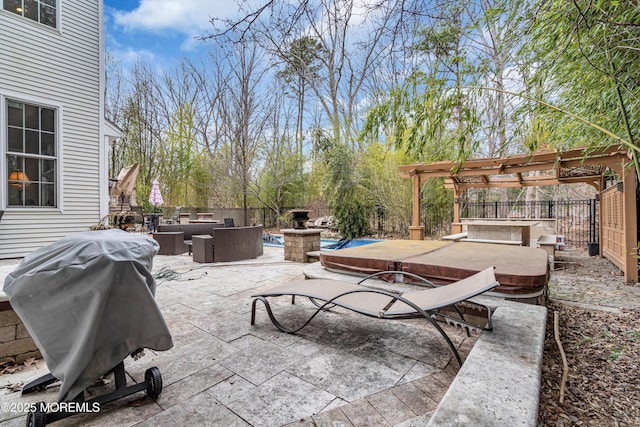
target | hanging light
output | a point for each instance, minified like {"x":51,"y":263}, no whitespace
{"x":20,"y":179}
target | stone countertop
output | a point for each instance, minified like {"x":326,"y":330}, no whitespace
{"x":6,"y":267}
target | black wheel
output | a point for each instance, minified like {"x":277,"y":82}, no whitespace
{"x":38,"y":417}
{"x":153,"y":378}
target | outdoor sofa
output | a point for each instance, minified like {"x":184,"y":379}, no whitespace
{"x":229,"y":243}
{"x":173,"y":244}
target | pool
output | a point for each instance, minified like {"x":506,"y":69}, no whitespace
{"x":341,"y":244}
{"x":276,"y":240}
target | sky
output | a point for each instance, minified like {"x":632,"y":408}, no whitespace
{"x":162,"y":30}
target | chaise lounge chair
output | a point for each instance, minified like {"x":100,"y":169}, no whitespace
{"x":428,"y":303}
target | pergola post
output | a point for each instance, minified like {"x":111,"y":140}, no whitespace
{"x":601,"y":187}
{"x":416,"y":231}
{"x":456,"y":226}
{"x":630,"y":225}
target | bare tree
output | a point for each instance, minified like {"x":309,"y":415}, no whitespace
{"x":301,"y":65}
{"x":114,"y":94}
{"x":279,"y":180}
{"x":212,"y":79}
{"x":158,"y":118}
{"x":244,"y":119}
{"x":142,"y":125}
{"x":354,"y":39}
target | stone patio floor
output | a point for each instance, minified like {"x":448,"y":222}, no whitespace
{"x":341,"y":370}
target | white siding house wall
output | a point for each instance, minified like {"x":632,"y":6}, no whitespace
{"x":61,"y":68}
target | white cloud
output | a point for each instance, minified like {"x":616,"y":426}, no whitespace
{"x":129,"y":57}
{"x":189,"y":17}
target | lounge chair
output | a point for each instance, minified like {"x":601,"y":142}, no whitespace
{"x":428,"y":303}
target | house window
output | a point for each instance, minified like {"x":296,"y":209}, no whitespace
{"x":31,"y":155}
{"x":43,"y":11}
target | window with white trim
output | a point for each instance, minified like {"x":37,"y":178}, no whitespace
{"x":43,"y":11}
{"x":31,"y":155}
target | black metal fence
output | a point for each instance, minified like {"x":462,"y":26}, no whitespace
{"x":577,"y":220}
{"x":437,"y":219}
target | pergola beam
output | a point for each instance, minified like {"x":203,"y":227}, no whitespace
{"x":536,"y":159}
{"x":515,"y":183}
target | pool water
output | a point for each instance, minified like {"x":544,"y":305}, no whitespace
{"x":276,"y":240}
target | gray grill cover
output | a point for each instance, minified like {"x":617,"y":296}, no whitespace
{"x":88,"y":301}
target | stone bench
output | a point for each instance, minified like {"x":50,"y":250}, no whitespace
{"x":548,"y":243}
{"x":455,"y":237}
{"x":501,"y":242}
{"x":499,"y":383}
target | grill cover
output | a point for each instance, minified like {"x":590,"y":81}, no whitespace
{"x":88,"y":302}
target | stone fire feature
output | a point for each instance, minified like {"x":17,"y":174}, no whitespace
{"x":299,"y":218}
{"x":298,"y":242}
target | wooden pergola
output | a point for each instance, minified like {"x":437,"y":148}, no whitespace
{"x":617,"y":214}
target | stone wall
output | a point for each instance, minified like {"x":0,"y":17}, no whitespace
{"x":15,"y":342}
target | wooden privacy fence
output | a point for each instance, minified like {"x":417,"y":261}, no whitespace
{"x":613,"y":226}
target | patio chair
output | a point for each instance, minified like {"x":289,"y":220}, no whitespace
{"x":138,"y":218}
{"x":175,"y":218}
{"x":176,"y":215}
{"x":427,"y":303}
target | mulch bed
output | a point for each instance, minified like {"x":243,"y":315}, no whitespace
{"x":602,"y":349}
